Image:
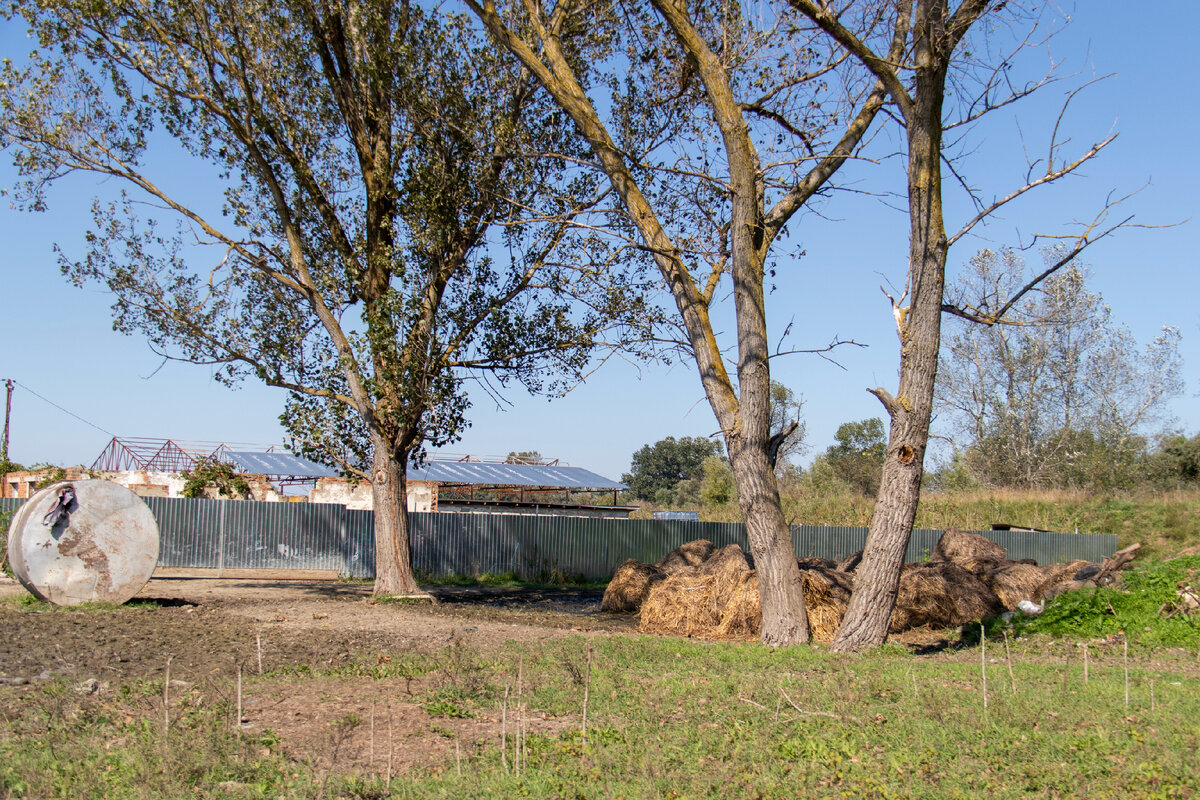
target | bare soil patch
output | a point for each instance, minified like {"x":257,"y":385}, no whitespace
{"x":210,"y":628}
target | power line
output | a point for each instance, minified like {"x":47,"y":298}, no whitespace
{"x":60,"y":408}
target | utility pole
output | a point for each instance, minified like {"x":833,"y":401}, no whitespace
{"x":7,"y":415}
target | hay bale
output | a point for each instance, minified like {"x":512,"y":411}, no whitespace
{"x":958,"y":546}
{"x":941,"y":595}
{"x":726,"y":603}
{"x":741,"y":617}
{"x":1014,"y":582}
{"x":629,"y":586}
{"x":826,"y":597}
{"x":684,"y":604}
{"x":1057,"y":578}
{"x":728,"y":566}
{"x":809,"y":562}
{"x":687,"y":556}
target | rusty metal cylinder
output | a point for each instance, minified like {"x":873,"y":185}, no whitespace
{"x":85,"y":541}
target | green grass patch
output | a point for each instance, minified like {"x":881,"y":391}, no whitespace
{"x":679,"y":718}
{"x":27,"y":602}
{"x":1139,"y":608}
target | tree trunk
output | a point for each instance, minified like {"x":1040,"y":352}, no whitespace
{"x":784,"y":616}
{"x":919,"y":327}
{"x":393,"y":559}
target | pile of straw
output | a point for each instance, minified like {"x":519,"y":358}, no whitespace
{"x":941,"y":595}
{"x":1014,"y":582}
{"x":629,"y":586}
{"x":1059,"y":578}
{"x":687,"y":556}
{"x":960,"y":547}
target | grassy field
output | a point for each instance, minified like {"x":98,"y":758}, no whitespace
{"x":670,"y":718}
{"x":1098,"y":712}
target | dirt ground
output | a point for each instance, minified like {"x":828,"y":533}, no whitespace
{"x":208,"y":629}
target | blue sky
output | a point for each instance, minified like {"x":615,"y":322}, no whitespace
{"x":58,"y":340}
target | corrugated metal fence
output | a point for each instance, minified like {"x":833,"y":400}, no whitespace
{"x":226,"y":534}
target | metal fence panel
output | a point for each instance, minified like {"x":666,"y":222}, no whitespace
{"x":284,"y":536}
{"x":226,"y":534}
{"x":190,"y":531}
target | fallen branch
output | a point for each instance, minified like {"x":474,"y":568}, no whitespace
{"x":791,"y":703}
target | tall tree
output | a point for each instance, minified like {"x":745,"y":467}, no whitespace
{"x":951,"y":72}
{"x":659,"y":467}
{"x":857,"y":453}
{"x":367,"y":258}
{"x":713,"y":128}
{"x":1058,"y":394}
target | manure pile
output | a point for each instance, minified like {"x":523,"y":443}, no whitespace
{"x":699,"y":590}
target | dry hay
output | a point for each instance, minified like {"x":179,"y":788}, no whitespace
{"x":728,"y":566}
{"x":727,"y":603}
{"x":941,"y":595}
{"x":629,"y":586}
{"x":826,"y":596}
{"x":742,"y":616}
{"x":958,"y":546}
{"x":1059,"y":578}
{"x":850,"y":562}
{"x":685,"y":603}
{"x":687,"y":556}
{"x":809,"y":562}
{"x":982,"y":566}
{"x":1014,"y":582}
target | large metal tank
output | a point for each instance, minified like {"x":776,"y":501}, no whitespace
{"x":83,"y":542}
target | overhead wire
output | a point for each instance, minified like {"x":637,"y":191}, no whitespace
{"x":60,"y":408}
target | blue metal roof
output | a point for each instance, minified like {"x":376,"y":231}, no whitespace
{"x":465,"y":472}
{"x":283,"y":464}
{"x":477,"y":474}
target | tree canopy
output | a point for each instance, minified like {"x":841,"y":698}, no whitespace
{"x":660,"y":467}
{"x":1058,"y":395}
{"x":395,"y":219}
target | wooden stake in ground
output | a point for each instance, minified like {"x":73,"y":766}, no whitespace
{"x":239,"y":701}
{"x":983,"y":663}
{"x":372,"y":761}
{"x":1008,"y":657}
{"x":587,"y":683}
{"x":1127,"y":672}
{"x":1085,"y":663}
{"x":504,"y":729}
{"x":166,"y":696}
{"x":1067,"y":672}
{"x":258,"y":648}
{"x":391,"y":746}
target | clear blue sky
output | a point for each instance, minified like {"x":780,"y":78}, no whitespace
{"x":58,"y":340}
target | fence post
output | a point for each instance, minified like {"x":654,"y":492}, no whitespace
{"x":221,"y":540}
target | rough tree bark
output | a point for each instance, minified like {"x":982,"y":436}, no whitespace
{"x":742,"y":411}
{"x":393,"y":558}
{"x":936,"y":31}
